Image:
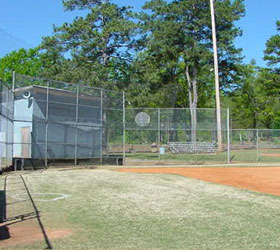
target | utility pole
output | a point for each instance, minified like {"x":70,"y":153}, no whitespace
{"x":217,"y":84}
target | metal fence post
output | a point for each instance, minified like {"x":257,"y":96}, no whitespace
{"x":257,"y":145}
{"x":101,"y":123}
{"x":7,"y":125}
{"x":4,"y":123}
{"x":124,"y":161}
{"x":6,"y":137}
{"x":228,"y":136}
{"x":47,"y":122}
{"x":76,"y":124}
{"x":13,"y":110}
{"x":1,"y":144}
{"x":159,"y":134}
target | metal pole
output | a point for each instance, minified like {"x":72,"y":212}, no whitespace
{"x":101,"y":123}
{"x":1,"y":144}
{"x":76,"y":125}
{"x":7,"y":119}
{"x":217,"y":84}
{"x":228,"y":136}
{"x":6,"y":140}
{"x":158,"y":133}
{"x":14,"y":81}
{"x":124,"y":163}
{"x":257,"y":145}
{"x":13,"y":110}
{"x":6,"y":92}
{"x":47,"y":121}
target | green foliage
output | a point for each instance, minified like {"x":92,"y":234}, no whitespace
{"x":255,"y":101}
{"x":269,"y":80}
{"x":177,"y":36}
{"x":152,"y":59}
{"x":99,"y":44}
{"x":245,"y":98}
{"x":25,"y":62}
{"x":276,"y":122}
{"x":272,"y":51}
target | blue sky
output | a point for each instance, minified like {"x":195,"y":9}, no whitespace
{"x":24,"y":22}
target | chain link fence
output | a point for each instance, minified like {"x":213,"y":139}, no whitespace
{"x":255,"y":145}
{"x":6,"y":126}
{"x":49,"y":122}
{"x":183,"y":136}
{"x":62,"y":122}
{"x":174,"y":136}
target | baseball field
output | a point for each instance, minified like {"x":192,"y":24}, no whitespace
{"x":141,"y":208}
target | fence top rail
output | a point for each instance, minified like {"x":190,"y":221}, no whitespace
{"x":192,"y":143}
{"x":254,"y":129}
{"x":212,"y":109}
{"x":71,"y":83}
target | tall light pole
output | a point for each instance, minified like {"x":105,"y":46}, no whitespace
{"x":217,"y":84}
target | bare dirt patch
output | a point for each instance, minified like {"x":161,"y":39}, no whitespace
{"x":271,"y":155}
{"x":27,"y":232}
{"x":260,"y":179}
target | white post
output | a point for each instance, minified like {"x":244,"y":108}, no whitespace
{"x":217,"y":84}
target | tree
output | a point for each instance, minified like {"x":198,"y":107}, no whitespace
{"x":272,"y":56}
{"x":245,"y":100}
{"x":25,"y":62}
{"x":272,"y":51}
{"x":178,"y":51}
{"x":255,"y":102}
{"x":270,"y":79}
{"x":98,"y":44}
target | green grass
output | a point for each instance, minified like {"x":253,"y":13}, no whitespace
{"x":111,"y":210}
{"x":236,"y":156}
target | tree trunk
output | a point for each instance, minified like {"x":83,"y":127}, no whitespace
{"x":105,"y":40}
{"x":192,"y":90}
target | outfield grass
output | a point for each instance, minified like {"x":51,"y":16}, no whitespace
{"x":112,"y":210}
{"x":236,"y":156}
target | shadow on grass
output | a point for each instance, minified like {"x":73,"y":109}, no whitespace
{"x":4,"y":228}
{"x":2,"y":206}
{"x":4,"y":231}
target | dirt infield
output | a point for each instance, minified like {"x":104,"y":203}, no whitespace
{"x":27,"y":232}
{"x":260,"y":179}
